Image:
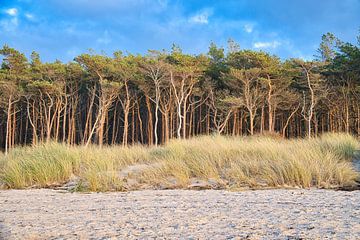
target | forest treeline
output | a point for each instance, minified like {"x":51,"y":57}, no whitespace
{"x":149,"y":99}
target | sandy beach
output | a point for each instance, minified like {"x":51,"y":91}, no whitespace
{"x":180,"y":214}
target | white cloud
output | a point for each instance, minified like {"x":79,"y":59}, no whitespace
{"x":11,"y":11}
{"x":249,"y":28}
{"x":29,"y":16}
{"x":273,"y":44}
{"x":201,"y":17}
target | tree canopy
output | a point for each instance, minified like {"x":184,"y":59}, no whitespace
{"x":151,"y":98}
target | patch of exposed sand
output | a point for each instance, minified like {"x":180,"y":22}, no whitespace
{"x":173,"y":214}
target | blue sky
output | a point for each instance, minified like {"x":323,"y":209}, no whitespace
{"x":62,"y":29}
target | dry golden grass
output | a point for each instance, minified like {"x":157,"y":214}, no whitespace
{"x":239,"y":162}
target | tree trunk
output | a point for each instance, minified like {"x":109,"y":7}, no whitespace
{"x":149,"y":125}
{"x":8,"y":126}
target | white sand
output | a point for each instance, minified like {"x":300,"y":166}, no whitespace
{"x":185,"y":214}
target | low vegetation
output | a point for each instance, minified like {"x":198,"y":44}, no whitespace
{"x":231,"y":162}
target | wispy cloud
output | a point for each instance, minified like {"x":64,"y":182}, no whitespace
{"x":88,"y":8}
{"x":273,"y":44}
{"x":104,"y":39}
{"x":11,"y":23}
{"x":249,"y":28}
{"x":12,"y":12}
{"x":29,"y":16}
{"x":163,"y":3}
{"x":201,"y":17}
{"x":138,"y":25}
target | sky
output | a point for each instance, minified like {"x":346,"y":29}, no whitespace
{"x":63,"y":29}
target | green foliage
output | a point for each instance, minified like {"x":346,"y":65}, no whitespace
{"x":233,"y":46}
{"x":216,"y":54}
{"x":13,"y":61}
{"x":217,"y":66}
{"x":327,"y":49}
{"x":246,"y":59}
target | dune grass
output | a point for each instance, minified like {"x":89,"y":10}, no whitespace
{"x":237,"y":162}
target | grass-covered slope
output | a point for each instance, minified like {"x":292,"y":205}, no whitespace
{"x":233,"y":162}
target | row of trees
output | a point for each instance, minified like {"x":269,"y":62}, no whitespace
{"x":126,"y":99}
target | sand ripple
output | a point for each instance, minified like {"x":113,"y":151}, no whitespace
{"x":185,"y":214}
